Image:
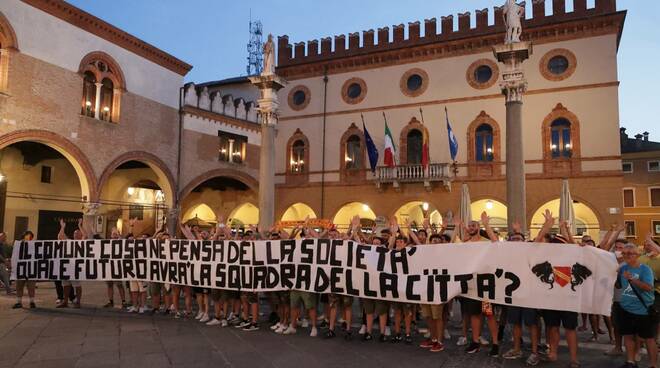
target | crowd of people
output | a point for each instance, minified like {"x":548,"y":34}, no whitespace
{"x":632,"y":327}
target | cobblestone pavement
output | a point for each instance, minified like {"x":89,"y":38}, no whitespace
{"x":97,"y":337}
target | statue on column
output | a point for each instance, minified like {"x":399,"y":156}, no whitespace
{"x":513,"y":13}
{"x":269,"y":57}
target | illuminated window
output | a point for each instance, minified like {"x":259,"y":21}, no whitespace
{"x":89,"y":94}
{"x":298,"y":157}
{"x":560,"y":142}
{"x":353,"y":159}
{"x":231,"y":147}
{"x":102,"y":86}
{"x":484,"y":143}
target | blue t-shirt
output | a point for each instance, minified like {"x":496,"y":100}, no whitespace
{"x":629,"y":301}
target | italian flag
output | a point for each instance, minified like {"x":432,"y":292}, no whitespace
{"x":390,"y":149}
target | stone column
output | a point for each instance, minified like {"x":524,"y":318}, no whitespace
{"x":90,"y":214}
{"x":268,"y":84}
{"x":513,"y":87}
{"x":97,"y":103}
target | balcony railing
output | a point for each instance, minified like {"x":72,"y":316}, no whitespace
{"x":414,"y":174}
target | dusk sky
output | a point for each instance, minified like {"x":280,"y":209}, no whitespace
{"x":212,"y":35}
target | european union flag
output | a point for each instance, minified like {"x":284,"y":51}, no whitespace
{"x":453,"y":142}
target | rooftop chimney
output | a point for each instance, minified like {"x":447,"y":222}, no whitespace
{"x":638,"y":137}
{"x":646,"y":136}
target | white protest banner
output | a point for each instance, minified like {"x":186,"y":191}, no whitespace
{"x":543,"y":276}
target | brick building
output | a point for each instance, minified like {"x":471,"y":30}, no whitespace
{"x":112,"y":117}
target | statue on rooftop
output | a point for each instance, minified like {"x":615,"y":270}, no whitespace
{"x":513,"y":13}
{"x":269,"y":57}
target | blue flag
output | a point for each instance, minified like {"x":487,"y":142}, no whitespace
{"x":372,"y":151}
{"x":453,"y":142}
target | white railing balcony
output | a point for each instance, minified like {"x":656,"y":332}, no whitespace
{"x":438,"y":172}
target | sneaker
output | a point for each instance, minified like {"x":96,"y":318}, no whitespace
{"x":382,"y":338}
{"x":243,"y":324}
{"x":213,"y":322}
{"x":483,"y":341}
{"x":638,"y":356}
{"x":407,"y":339}
{"x":462,"y":341}
{"x":613,"y":352}
{"x":109,"y":304}
{"x":363,"y":330}
{"x":330,"y":334}
{"x":397,"y":338}
{"x":141,"y":310}
{"x":17,"y":306}
{"x":251,"y":327}
{"x":427,"y":344}
{"x":132,"y":309}
{"x":512,"y":354}
{"x":205,"y":318}
{"x":494,"y":350}
{"x":62,"y":305}
{"x":32,"y":305}
{"x":199,"y":315}
{"x":280,"y":330}
{"x":314,"y":332}
{"x":58,"y":301}
{"x":474,"y":347}
{"x":275,"y":326}
{"x":447,"y":335}
{"x":304,"y":323}
{"x":437,"y":347}
{"x":224,"y":323}
{"x":533,"y":360}
{"x":367,"y":337}
{"x":289,"y":331}
{"x":177,"y":315}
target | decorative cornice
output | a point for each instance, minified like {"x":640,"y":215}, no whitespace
{"x":475,"y":40}
{"x":108,"y":32}
{"x":204,"y":114}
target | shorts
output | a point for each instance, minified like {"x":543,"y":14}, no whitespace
{"x":156,"y":288}
{"x":406,"y":308}
{"x":519,"y":315}
{"x":555,"y":318}
{"x":432,"y":311}
{"x":138,"y":286}
{"x":470,"y":307}
{"x":251,"y":297}
{"x":308,"y":299}
{"x":282,"y":297}
{"x":616,"y":308}
{"x":636,"y":324}
{"x":216,"y":294}
{"x":378,"y":307}
{"x":335,"y":299}
{"x":71,"y":283}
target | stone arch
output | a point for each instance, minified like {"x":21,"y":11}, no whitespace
{"x":485,"y":168}
{"x":563,"y":165}
{"x":7,"y":34}
{"x":154,"y":162}
{"x":70,"y":151}
{"x":248,"y":180}
{"x":117,"y":76}
{"x":584,"y":210}
{"x":302,"y":176}
{"x":348,"y":174}
{"x":413,"y":124}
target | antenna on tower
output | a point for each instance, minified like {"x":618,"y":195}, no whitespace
{"x":254,"y":48}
